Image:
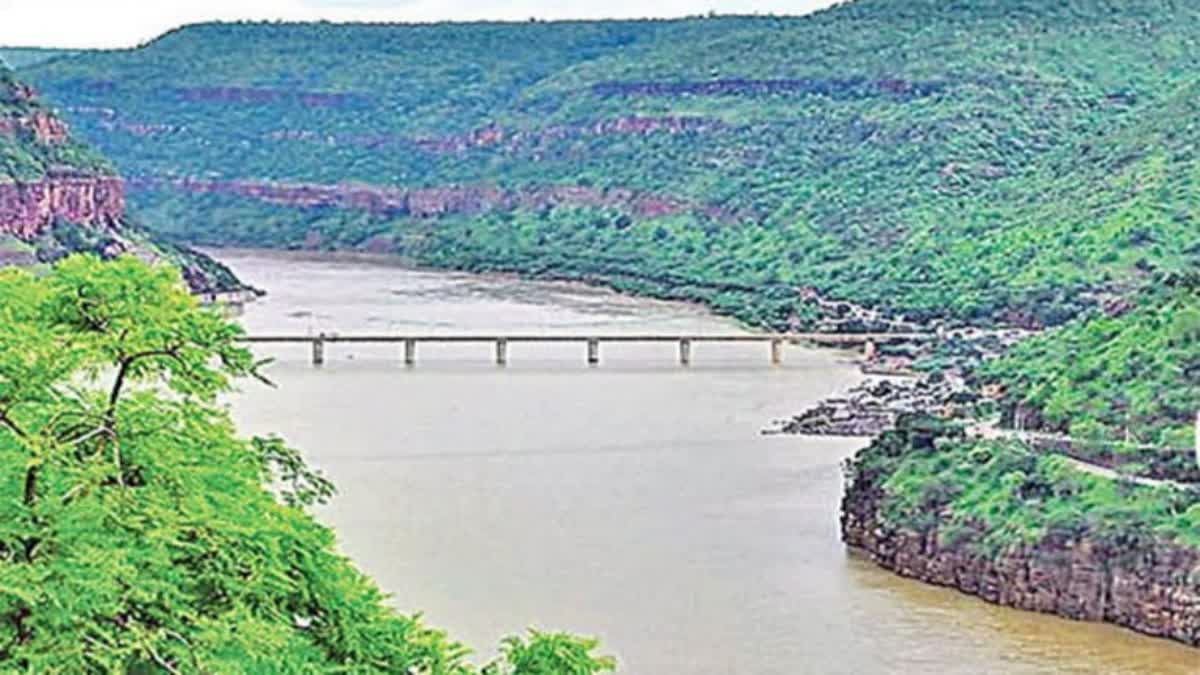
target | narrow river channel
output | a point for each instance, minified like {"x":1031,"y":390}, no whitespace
{"x":635,"y":501}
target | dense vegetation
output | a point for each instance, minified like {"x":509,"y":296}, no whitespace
{"x":970,"y":160}
{"x":19,"y":57}
{"x":1125,"y":382}
{"x":997,"y":494}
{"x":140,"y":531}
{"x":21,"y":159}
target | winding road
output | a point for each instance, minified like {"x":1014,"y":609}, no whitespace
{"x":990,"y":430}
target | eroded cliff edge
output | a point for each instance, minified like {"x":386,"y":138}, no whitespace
{"x":28,"y":209}
{"x":58,"y":197}
{"x":1128,"y":566}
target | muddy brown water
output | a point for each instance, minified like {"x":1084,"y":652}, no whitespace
{"x":635,"y":501}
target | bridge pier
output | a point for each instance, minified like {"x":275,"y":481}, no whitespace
{"x":870,"y":350}
{"x":318,"y":350}
{"x":776,"y":352}
{"x":501,"y":352}
{"x":685,"y":352}
{"x":410,"y":352}
{"x":593,"y":352}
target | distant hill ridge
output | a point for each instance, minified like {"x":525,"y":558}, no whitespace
{"x":891,"y":153}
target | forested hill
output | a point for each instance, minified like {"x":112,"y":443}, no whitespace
{"x":59,"y":196}
{"x":1013,"y":161}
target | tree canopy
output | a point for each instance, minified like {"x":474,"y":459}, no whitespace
{"x":139,"y":532}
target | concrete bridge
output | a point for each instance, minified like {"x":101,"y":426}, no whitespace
{"x":868,"y":341}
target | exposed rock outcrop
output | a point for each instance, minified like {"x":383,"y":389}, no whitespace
{"x":22,"y":114}
{"x":1152,"y":588}
{"x":512,"y":140}
{"x":27,"y":209}
{"x":77,"y":194}
{"x":266,"y":95}
{"x":491,"y":136}
{"x":874,"y":406}
{"x":841,"y":89}
{"x":43,"y":126}
{"x":17,"y":92}
{"x":78,"y":208}
{"x":434,"y":202}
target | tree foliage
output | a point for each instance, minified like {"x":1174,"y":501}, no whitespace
{"x":549,"y":654}
{"x":139,"y":532}
{"x":1128,"y":383}
{"x":995,"y":495}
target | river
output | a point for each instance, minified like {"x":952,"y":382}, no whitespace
{"x":635,"y":501}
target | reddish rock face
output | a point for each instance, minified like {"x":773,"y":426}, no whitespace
{"x":46,"y":128}
{"x":434,"y":202}
{"x":19,"y":92}
{"x":264,"y":95}
{"x":27,"y":209}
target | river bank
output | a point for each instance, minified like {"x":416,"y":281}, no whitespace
{"x":1151,"y":585}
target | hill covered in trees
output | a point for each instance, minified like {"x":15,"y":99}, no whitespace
{"x":1026,"y":163}
{"x":933,"y":159}
{"x":20,"y":57}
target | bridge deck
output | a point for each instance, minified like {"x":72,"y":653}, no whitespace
{"x":593,"y":342}
{"x":848,"y":338}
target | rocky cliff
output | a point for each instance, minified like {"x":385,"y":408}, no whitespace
{"x":44,"y":127}
{"x":1151,"y":586}
{"x":47,"y":177}
{"x":27,"y":209}
{"x":57,"y":197}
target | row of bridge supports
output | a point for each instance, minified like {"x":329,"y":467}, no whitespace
{"x":593,"y":351}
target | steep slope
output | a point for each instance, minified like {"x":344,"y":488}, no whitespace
{"x":58,"y":196}
{"x":1126,"y":370}
{"x":867,"y":151}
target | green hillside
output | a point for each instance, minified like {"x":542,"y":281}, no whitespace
{"x":21,"y":158}
{"x":920,"y":158}
{"x":1014,"y":162}
{"x":20,"y":57}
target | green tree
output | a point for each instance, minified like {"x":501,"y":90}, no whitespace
{"x":138,"y":531}
{"x":549,"y":654}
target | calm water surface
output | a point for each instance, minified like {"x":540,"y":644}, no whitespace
{"x":635,"y":501}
